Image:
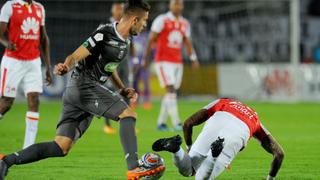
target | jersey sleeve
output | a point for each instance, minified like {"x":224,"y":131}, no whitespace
{"x":43,"y":22}
{"x":261,"y":133}
{"x":211,"y":107}
{"x":157,"y":24}
{"x":188,"y":30}
{"x":95,"y":40}
{"x":6,"y":12}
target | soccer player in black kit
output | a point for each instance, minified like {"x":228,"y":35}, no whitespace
{"x":93,"y":63}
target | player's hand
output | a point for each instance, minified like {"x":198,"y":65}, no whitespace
{"x":11,"y":46}
{"x":129,"y":93}
{"x":195,"y":64}
{"x":61,"y":69}
{"x":48,"y":77}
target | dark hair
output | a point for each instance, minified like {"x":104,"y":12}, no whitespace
{"x":134,"y":6}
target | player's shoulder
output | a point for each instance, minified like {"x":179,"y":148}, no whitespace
{"x":10,"y":3}
{"x":184,"y":20}
{"x":106,"y":27}
{"x":38,"y":4}
{"x":161,"y":16}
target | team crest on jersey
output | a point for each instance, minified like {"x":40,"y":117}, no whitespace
{"x":39,"y":13}
{"x":110,"y":67}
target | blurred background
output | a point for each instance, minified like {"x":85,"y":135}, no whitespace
{"x":248,"y":49}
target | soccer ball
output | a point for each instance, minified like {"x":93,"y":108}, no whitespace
{"x":152,"y":160}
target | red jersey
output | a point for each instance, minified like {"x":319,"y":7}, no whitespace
{"x":242,"y":112}
{"x":171,"y":32}
{"x":24,"y":23}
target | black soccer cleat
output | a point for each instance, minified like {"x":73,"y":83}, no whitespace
{"x":3,"y":169}
{"x":216,"y":147}
{"x":171,"y":144}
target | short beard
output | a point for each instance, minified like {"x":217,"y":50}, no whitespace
{"x":133,"y":32}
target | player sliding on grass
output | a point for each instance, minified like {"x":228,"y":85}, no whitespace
{"x":229,"y":125}
{"x":84,"y":97}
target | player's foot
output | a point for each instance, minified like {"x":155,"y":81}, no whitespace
{"x":216,"y":147}
{"x":178,"y":127}
{"x":171,"y":144}
{"x":163,"y":127}
{"x":3,"y":168}
{"x":147,"y":105}
{"x":109,"y":130}
{"x":141,"y":171}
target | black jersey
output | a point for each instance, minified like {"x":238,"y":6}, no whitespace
{"x":107,"y":50}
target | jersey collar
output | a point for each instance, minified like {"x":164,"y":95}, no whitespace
{"x":22,"y":2}
{"x":115,"y":29}
{"x":171,"y":16}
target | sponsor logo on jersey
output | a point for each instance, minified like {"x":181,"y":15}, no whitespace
{"x":30,"y":24}
{"x":175,"y":39}
{"x":121,"y":54}
{"x":113,"y":43}
{"x":110,"y":67}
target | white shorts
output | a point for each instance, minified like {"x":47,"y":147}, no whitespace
{"x":14,"y":72}
{"x":169,"y":73}
{"x":222,"y":124}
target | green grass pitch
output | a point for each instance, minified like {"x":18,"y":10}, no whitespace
{"x":99,"y":156}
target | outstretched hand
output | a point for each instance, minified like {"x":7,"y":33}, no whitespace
{"x":61,"y":69}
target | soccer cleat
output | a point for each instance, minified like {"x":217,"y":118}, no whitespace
{"x":141,"y":171}
{"x":163,"y":127}
{"x":3,"y":168}
{"x":147,"y":105}
{"x":216,"y":147}
{"x":109,"y":130}
{"x":171,"y":144}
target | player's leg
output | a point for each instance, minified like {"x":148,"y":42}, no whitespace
{"x":173,"y":110}
{"x":183,"y":161}
{"x":145,"y":75}
{"x":160,"y":68}
{"x":12,"y":72}
{"x":71,"y":127}
{"x":32,"y":86}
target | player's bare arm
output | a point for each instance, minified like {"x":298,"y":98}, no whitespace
{"x":191,"y":53}
{"x":45,"y":51}
{"x":71,"y":61}
{"x":153,"y":37}
{"x":274,"y":148}
{"x":3,"y":38}
{"x":194,"y":120}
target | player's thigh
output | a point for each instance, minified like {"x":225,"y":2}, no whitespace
{"x":12,"y":73}
{"x":165,"y":73}
{"x":32,"y":81}
{"x":178,"y":75}
{"x":73,"y":122}
{"x":96,"y":100}
{"x":209,"y":133}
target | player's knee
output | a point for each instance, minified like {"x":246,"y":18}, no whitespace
{"x":7,"y":102}
{"x":64,"y":143}
{"x":171,"y":89}
{"x":128,"y":113}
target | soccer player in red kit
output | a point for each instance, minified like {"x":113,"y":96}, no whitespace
{"x":229,"y":125}
{"x":24,"y":24}
{"x":169,"y":32}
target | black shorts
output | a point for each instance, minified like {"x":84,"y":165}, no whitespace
{"x":83,"y":99}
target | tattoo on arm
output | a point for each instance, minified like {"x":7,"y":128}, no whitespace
{"x":274,"y":148}
{"x":196,"y":119}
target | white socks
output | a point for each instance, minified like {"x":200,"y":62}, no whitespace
{"x":169,"y":106}
{"x":32,"y":120}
